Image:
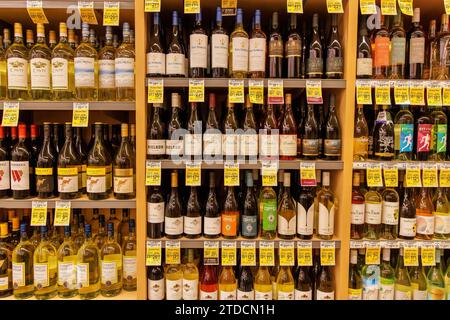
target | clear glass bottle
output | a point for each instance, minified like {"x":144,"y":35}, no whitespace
{"x":441,"y":215}
{"x":190,"y":278}
{"x":227,"y":284}
{"x":325,"y":210}
{"x":390,"y":213}
{"x":403,"y":290}
{"x":124,"y":67}
{"x":174,"y":282}
{"x":360,"y":136}
{"x":397,"y":35}
{"x":257,"y":49}
{"x":387,"y":277}
{"x":263,"y":284}
{"x":63,"y":73}
{"x":67,"y":273}
{"x":2,"y":69}
{"x":129,"y":277}
{"x":438,"y":134}
{"x":404,"y":133}
{"x":435,"y":280}
{"x":106,"y":69}
{"x":88,"y":267}
{"x":354,"y":278}
{"x":418,"y":282}
{"x":198,"y":50}
{"x":17,"y":67}
{"x":40,"y":56}
{"x":239,"y":47}
{"x":358,"y":208}
{"x":287,"y":211}
{"x":373,"y":214}
{"x":219,"y":48}
{"x":6,"y":248}
{"x":45,"y":268}
{"x":268,"y":213}
{"x":370,"y":274}
{"x":285,"y":286}
{"x":424,"y":215}
{"x":416,"y":44}
{"x":111,"y":265}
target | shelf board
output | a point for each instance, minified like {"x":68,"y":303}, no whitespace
{"x":68,"y":105}
{"x":398,"y":243}
{"x":124,"y":295}
{"x":373,"y":83}
{"x":282,"y":164}
{"x":61,"y":4}
{"x":223,"y":83}
{"x":81,"y":203}
{"x":401,"y":165}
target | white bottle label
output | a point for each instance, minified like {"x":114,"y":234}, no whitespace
{"x":124,"y":72}
{"x":40,"y":73}
{"x":4,"y":175}
{"x":156,"y":63}
{"x":84,"y":72}
{"x":96,"y":184}
{"x":260,"y":295}
{"x":403,"y":295}
{"x":285,"y":295}
{"x":212,"y":144}
{"x":358,"y":213}
{"x":174,"y":147}
{"x":269,"y":145}
{"x":174,"y":289}
{"x":4,"y":282}
{"x":390,"y":212}
{"x":303,"y":295}
{"x":67,"y":275}
{"x":227,"y":295}
{"x":60,"y":74}
{"x":249,"y":144}
{"x":175,"y":64}
{"x":219,"y":50}
{"x":373,"y":213}
{"x":288,"y":145}
{"x":190,"y":289}
{"x":257,"y":54}
{"x":129,"y":267}
{"x":364,"y":66}
{"x":425,"y":224}
{"x":417,"y":50}
{"x":156,"y":147}
{"x":407,"y":227}
{"x":198,"y":50}
{"x":204,"y":295}
{"x":155,"y":212}
{"x":156,"y":289}
{"x":83,"y":275}
{"x":245,"y":295}
{"x":240,"y":54}
{"x":230,"y":144}
{"x":192,"y":225}
{"x":286,"y":227}
{"x":386,"y":291}
{"x":193,"y":144}
{"x":109,"y":272}
{"x":106,"y":74}
{"x":370,"y":292}
{"x":305,"y":220}
{"x":40,"y":275}
{"x":441,"y":223}
{"x":20,"y":175}
{"x":320,"y":295}
{"x":173,"y":226}
{"x":18,"y":274}
{"x":420,"y":295}
{"x":17,"y":73}
{"x":212,"y":226}
{"x":68,"y":183}
{"x":326,"y":220}
{"x":123,"y":184}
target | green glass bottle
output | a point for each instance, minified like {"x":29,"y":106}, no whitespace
{"x":268,"y":213}
{"x":435,"y":280}
{"x":5,"y":257}
{"x":22,"y":266}
{"x":88,"y":267}
{"x":387,"y":277}
{"x":111,"y":265}
{"x":403,"y":290}
{"x":67,"y":260}
{"x":45,"y":268}
{"x":418,"y":282}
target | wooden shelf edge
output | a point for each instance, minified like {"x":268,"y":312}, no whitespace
{"x":61,"y":4}
{"x":124,"y":295}
{"x":81,"y":203}
{"x":68,"y":105}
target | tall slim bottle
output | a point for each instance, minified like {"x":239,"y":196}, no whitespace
{"x":173,"y":221}
{"x":288,"y":136}
{"x":129,"y":276}
{"x":86,"y":69}
{"x":415,"y":46}
{"x":390,"y":213}
{"x":63,"y":73}
{"x":441,"y":215}
{"x":398,"y":48}
{"x":249,"y":139}
{"x":239,"y":47}
{"x":360,"y":136}
{"x":155,"y":283}
{"x":325,"y":284}
{"x":212,"y":219}
{"x":403,"y":290}
{"x":40,"y":56}
{"x":17,"y":67}
{"x":209,"y":283}
{"x":69,"y":168}
{"x":358,"y":208}
{"x":156,"y":58}
{"x":124,"y":168}
{"x":124,"y":65}
{"x":88,"y":268}
{"x":314,"y":62}
{"x":334,"y":67}
{"x":293,"y":49}
{"x":257,"y":49}
{"x":230,"y":139}
{"x":387,"y":277}
{"x":276,"y":49}
{"x":435,"y":280}
{"x":438,"y":134}
{"x":22,"y":266}
{"x":175,"y":57}
{"x":332,"y":140}
{"x":424,"y":215}
{"x":111,"y":265}
{"x":381,"y":51}
{"x":21,"y":173}
{"x":227,"y":284}
{"x":198,"y":50}
{"x":354,"y":278}
{"x":249,"y":223}
{"x":106,"y":69}
{"x":67,"y":260}
{"x":190,"y":278}
{"x":45,"y":268}
{"x":46,"y":166}
{"x":287,"y":211}
{"x":230,"y":215}
{"x":364,"y":55}
{"x":212,"y":138}
{"x":373,"y":214}
{"x":219,"y":48}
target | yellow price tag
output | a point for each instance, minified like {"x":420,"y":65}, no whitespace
{"x":368,"y":6}
{"x":335,"y":6}
{"x":445,"y":94}
{"x":388,"y":8}
{"x":269,"y":172}
{"x":275,"y":92}
{"x":304,"y":253}
{"x":191,"y":6}
{"x":38,"y":213}
{"x":231,"y":174}
{"x":10,"y":116}
{"x":36,"y":12}
{"x":401,"y":92}
{"x":363,"y":92}
{"x":80,"y":115}
{"x":152,"y":6}
{"x":383,"y":93}
{"x":196,"y":90}
{"x":434,"y":94}
{"x":390,"y":177}
{"x":111,"y":13}
{"x":314,"y":92}
{"x":211,"y":252}
{"x":295,"y":6}
{"x":266,"y":253}
{"x":428,"y":254}
{"x":447,"y":6}
{"x":152,"y":173}
{"x":416,"y":93}
{"x":373,"y":253}
{"x":256,"y":91}
{"x":87,"y":13}
{"x":153,"y":253}
{"x":248,"y":253}
{"x":429,"y":175}
{"x":286,"y":252}
{"x":193,"y":174}
{"x":373,"y":173}
{"x":410,"y":255}
{"x":229,"y":7}
{"x":155,"y":91}
{"x":412,"y":176}
{"x":406,"y":6}
{"x":308,"y":174}
{"x":228,"y":253}
{"x":444,"y":177}
{"x":236,"y":91}
{"x":173,"y":252}
{"x":62,"y":213}
{"x":327,"y":253}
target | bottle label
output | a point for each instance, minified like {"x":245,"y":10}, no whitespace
{"x":109,"y":272}
{"x":276,"y":48}
{"x":40,"y":275}
{"x":439,"y":141}
{"x":156,"y":147}
{"x":442,"y":222}
{"x":44,"y":180}
{"x":84,"y":72}
{"x":361,"y":146}
{"x":4,"y":282}
{"x":68,"y":179}
{"x":190,"y":289}
{"x":249,"y":226}
{"x":212,"y":226}
{"x":424,"y":137}
{"x":249,"y":144}
{"x":82,"y":275}
{"x":174,"y":147}
{"x":303,"y":295}
{"x":193,"y":144}
{"x":314,"y":65}
{"x":407,"y":227}
{"x":371,"y":284}
{"x":60,"y":74}
{"x":332,"y":147}
{"x":381,"y":52}
{"x":288,"y":145}
{"x":289,"y":295}
{"x":67,"y":274}
{"x":269,"y":145}
{"x":386,"y":289}
{"x":419,"y":294}
{"x":404,"y":137}
{"x":354,"y":294}
{"x":156,"y":63}
{"x":269,"y":214}
{"x":20,"y":175}
{"x":326,"y":220}
{"x":424,"y":223}
{"x":287,"y":227}
{"x":129,"y":267}
{"x":124,"y":72}
{"x":334,"y":65}
{"x":257,"y":55}
{"x":174,"y":289}
{"x":364,"y":67}
{"x":398,"y":51}
{"x":97,"y":181}
{"x":373,"y":213}
{"x":293,"y":48}
{"x":219,"y":51}
{"x":155,"y":212}
{"x":173,"y":226}
{"x":310,"y":147}
{"x":198,"y":50}
{"x":358,"y":213}
{"x":227,"y":295}
{"x":320,"y":295}
{"x":390,"y":213}
{"x":240,"y":54}
{"x":402,"y":292}
{"x":123,"y":181}
{"x":175,"y":64}
{"x":245,"y":295}
{"x":17,"y":73}
{"x":40,"y":73}
{"x":4,"y":175}
{"x":260,"y":295}
{"x":230,"y":144}
{"x":212,"y":144}
{"x":305,"y":220}
{"x":229,"y":224}
{"x":156,"y":289}
{"x":18,"y":274}
{"x":206,"y":295}
{"x":106,"y":74}
{"x":193,"y":225}
{"x":417,"y":50}
{"x":434,"y":293}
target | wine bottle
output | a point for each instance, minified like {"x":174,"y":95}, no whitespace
{"x":227,"y":284}
{"x":156,"y":145}
{"x":268,"y":213}
{"x":439,"y":134}
{"x":16,"y":57}
{"x":67,"y":257}
{"x":193,"y":218}
{"x":354,"y":278}
{"x":364,"y":54}
{"x":418,"y":282}
{"x":416,"y":43}
{"x":230,"y":139}
{"x":190,"y":278}
{"x":263,"y":284}
{"x":212,"y":219}
{"x":212,"y":138}
{"x":249,"y":223}
{"x":310,"y":139}
{"x":402,"y":280}
{"x":424,"y":215}
{"x":20,"y":166}
{"x":173,"y":218}
{"x":325,"y":284}
{"x":69,"y":168}
{"x":325,"y":209}
{"x":314,"y":62}
{"x":249,"y":139}
{"x":88,"y":267}
{"x":129,"y":276}
{"x":398,"y":48}
{"x":45,"y":268}
{"x":86,"y":69}
{"x":257,"y":49}
{"x":22,"y":266}
{"x":286,"y":211}
{"x":155,"y":213}
{"x":335,"y":58}
{"x":269,"y":138}
{"x":6,"y":249}
{"x":175,"y":146}
{"x":441,"y":214}
{"x":156,"y":58}
{"x":332,"y":141}
{"x":123,"y":227}
{"x":245,"y":284}
{"x":81,"y":148}
{"x":209,"y":283}
{"x":360,"y":136}
{"x":124,"y":168}
{"x":198,"y":52}
{"x":293,"y":49}
{"x":403,"y":130}
{"x":383,"y":138}
{"x":407,"y":216}
{"x":175,"y":58}
{"x":370,"y":274}
{"x":219,"y":48}
{"x":239,"y":47}
{"x":390,"y":211}
{"x":357,"y":213}
{"x":106,"y":69}
{"x":373,"y":213}
{"x":46,"y":166}
{"x":155,"y":283}
{"x":422,"y":135}
{"x":435,"y":280}
{"x":5,"y":182}
{"x":387,"y":277}
{"x":230,"y":215}
{"x":288,"y":136}
{"x":111,"y":265}
{"x":276,"y":49}
{"x":193,"y":139}
{"x":381,"y":51}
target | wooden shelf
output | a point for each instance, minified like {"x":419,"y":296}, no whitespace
{"x":124,"y":295}
{"x":68,"y":105}
{"x":62,"y":4}
{"x":401,"y":165}
{"x":81,"y":203}
{"x":392,"y":83}
{"x":398,"y":243}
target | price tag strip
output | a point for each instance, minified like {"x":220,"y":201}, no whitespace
{"x":368,"y":6}
{"x":211,"y":252}
{"x":428,"y":254}
{"x":373,"y":253}
{"x":111,"y":13}
{"x":406,"y":6}
{"x":236,"y":91}
{"x":256,"y":91}
{"x":308,"y":174}
{"x":191,"y":6}
{"x":229,"y":7}
{"x":80,"y":114}
{"x":38,"y":213}
{"x":416,"y":93}
{"x":373,"y":173}
{"x":434,"y":94}
{"x":444,"y":176}
{"x":383,"y":93}
{"x":286,"y":252}
{"x":410,"y":255}
{"x":193,"y":174}
{"x":196,"y":90}
{"x":173,"y":252}
{"x":295,"y":6}
{"x":327,"y":253}
{"x":430,"y":175}
{"x":401,"y":92}
{"x":269,"y":170}
{"x":231,"y":174}
{"x":36,"y":12}
{"x":390,"y":176}
{"x":266,"y":253}
{"x":335,"y":6}
{"x":314,"y":92}
{"x":153,"y":253}
{"x":152,"y":173}
{"x":412,"y":176}
{"x":10,"y":116}
{"x":363,"y":92}
{"x":248,"y":253}
{"x":228,"y":253}
{"x":304,"y":253}
{"x":62,"y":213}
{"x":388,"y":7}
{"x":275,"y":92}
{"x":152,"y":6}
{"x":86,"y":9}
{"x":445,"y":94}
{"x":155,"y":90}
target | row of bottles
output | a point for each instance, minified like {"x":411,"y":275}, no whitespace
{"x":286,"y":132}
{"x":219,"y":54}
{"x":194,"y":281}
{"x":67,"y":71}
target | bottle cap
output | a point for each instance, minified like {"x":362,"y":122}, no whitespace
{"x":275,"y":20}
{"x":87,"y":229}
{"x":239,"y":13}
{"x":22,"y":131}
{"x":85,"y":29}
{"x":131,"y":224}
{"x":326,"y":178}
{"x":17,"y":30}
{"x":287,"y":179}
{"x":52,"y":36}
{"x":124,"y":129}
{"x":416,"y":16}
{"x":3,"y":230}
{"x":15,"y":223}
{"x":315,"y":20}
{"x":356,"y":179}
{"x":174,"y":179}
{"x":2,"y":132}
{"x":288,"y":98}
{"x":174,"y":18}
{"x":40,"y":30}
{"x":353,"y":256}
{"x":67,"y":231}
{"x":249,"y":178}
{"x":133,"y":130}
{"x":212,"y":180}
{"x":218,"y":14}
{"x":29,"y":35}
{"x":386,"y":254}
{"x":212,"y":100}
{"x":175,"y":100}
{"x":71,"y":35}
{"x":44,"y":229}
{"x":198,"y":16}
{"x":62,"y":29}
{"x":101,"y":219}
{"x":23,"y":228}
{"x":110,"y":229}
{"x":33,"y":130}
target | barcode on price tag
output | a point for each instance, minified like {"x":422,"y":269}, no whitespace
{"x":211,"y":252}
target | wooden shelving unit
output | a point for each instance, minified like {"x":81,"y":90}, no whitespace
{"x":81,"y":203}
